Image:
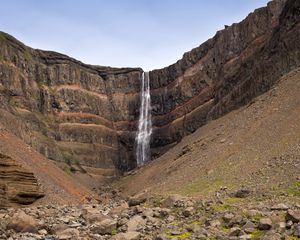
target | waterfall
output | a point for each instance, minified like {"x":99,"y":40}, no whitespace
{"x":145,"y":125}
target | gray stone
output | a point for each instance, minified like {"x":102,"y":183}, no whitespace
{"x":265,"y":224}
{"x":104,"y":227}
{"x":280,"y":207}
{"x":293,"y":215}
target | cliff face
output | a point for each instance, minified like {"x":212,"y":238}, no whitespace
{"x":225,"y":72}
{"x":87,"y":115}
{"x":68,"y":111}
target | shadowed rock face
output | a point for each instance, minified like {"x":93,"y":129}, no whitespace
{"x":17,"y":185}
{"x":88,"y":115}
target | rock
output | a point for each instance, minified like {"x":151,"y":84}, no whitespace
{"x":280,"y":207}
{"x":136,"y":223}
{"x":296,"y":232}
{"x":245,"y":237}
{"x":21,"y":222}
{"x":189,"y":211}
{"x":293,"y":215}
{"x":161,"y":237}
{"x":148,"y":212}
{"x":131,"y":235}
{"x":272,"y":236}
{"x":235,"y":232}
{"x":69,"y":233}
{"x":97,"y":217}
{"x":43,"y":232}
{"x":194,"y":228}
{"x":118,"y":210}
{"x":215,"y":223}
{"x":106,"y":226}
{"x":236,"y":220}
{"x":136,"y":200}
{"x":242,"y":193}
{"x":174,"y":201}
{"x":248,"y":227}
{"x":163,"y":212}
{"x":265,"y":224}
{"x":289,"y":224}
{"x":227,"y":217}
{"x":18,"y":185}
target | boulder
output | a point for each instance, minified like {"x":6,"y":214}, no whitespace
{"x":106,"y":226}
{"x":135,"y":223}
{"x":280,"y":207}
{"x":136,"y":200}
{"x":265,"y":224}
{"x":21,"y":222}
{"x":293,"y":215}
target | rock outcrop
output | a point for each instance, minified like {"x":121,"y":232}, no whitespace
{"x":87,"y":115}
{"x":17,"y":185}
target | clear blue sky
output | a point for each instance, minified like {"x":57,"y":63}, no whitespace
{"x":145,"y":33}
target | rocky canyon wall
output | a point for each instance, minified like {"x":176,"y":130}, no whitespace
{"x":87,"y":115}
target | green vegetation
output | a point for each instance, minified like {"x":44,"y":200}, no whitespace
{"x":225,"y":228}
{"x":203,"y":186}
{"x":114,"y":232}
{"x":294,"y":189}
{"x":293,"y":238}
{"x":182,"y":236}
{"x":257,"y":234}
{"x":2,"y":37}
{"x":27,"y":55}
{"x":218,"y":207}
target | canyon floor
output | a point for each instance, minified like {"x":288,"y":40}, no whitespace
{"x":238,"y":177}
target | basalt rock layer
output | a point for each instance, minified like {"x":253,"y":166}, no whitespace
{"x":237,"y":64}
{"x":87,"y":115}
{"x":17,"y":185}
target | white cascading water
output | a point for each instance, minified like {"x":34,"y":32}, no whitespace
{"x":145,"y":125}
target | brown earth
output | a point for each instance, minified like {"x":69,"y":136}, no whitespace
{"x":257,"y":147}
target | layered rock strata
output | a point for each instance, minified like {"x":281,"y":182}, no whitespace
{"x":87,"y":115}
{"x":17,"y":185}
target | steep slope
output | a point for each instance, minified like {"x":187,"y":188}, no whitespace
{"x":26,"y":174}
{"x":257,"y":146}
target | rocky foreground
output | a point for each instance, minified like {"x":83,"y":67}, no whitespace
{"x":228,"y":216}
